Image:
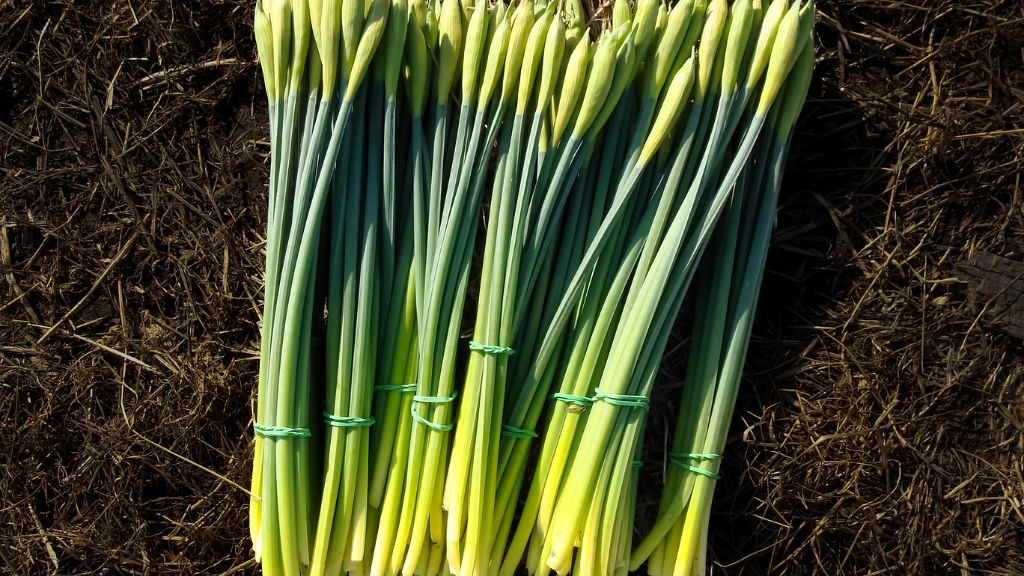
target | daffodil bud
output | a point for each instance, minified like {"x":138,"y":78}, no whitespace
{"x":281,"y":27}
{"x":572,"y":36}
{"x":806,"y":23}
{"x":467,"y":11}
{"x":476,"y":36}
{"x":497,"y":13}
{"x":494,"y":61}
{"x":599,"y":82}
{"x":449,"y":47}
{"x":718,"y":14}
{"x":738,"y":31}
{"x":376,"y":21}
{"x":522,"y":24}
{"x":301,"y":32}
{"x":316,"y":14}
{"x":430,"y":25}
{"x":394,"y":45}
{"x":352,"y":20}
{"x":328,"y":38}
{"x":572,"y":86}
{"x":554,"y":47}
{"x":693,"y":32}
{"x":664,"y":56}
{"x":645,"y":25}
{"x":418,"y":71}
{"x":531,"y":59}
{"x":626,"y":67}
{"x":672,"y":106}
{"x":784,"y":50}
{"x":621,"y":14}
{"x":495,"y":16}
{"x":265,"y":48}
{"x":575,"y":15}
{"x":418,"y":9}
{"x":765,"y":39}
{"x":314,"y":71}
{"x":660,"y":21}
{"x":796,"y":90}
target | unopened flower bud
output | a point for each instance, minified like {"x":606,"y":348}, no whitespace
{"x":765,"y":38}
{"x":376,"y":21}
{"x":599,"y":82}
{"x":672,"y":106}
{"x":449,"y":47}
{"x":784,"y":50}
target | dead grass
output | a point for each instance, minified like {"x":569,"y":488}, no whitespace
{"x":882,"y":431}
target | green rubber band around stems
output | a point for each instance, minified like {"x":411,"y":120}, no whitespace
{"x":624,"y":400}
{"x":638,"y":464}
{"x":348,"y":421}
{"x":269,"y":431}
{"x":395,"y":388}
{"x":510,"y":431}
{"x":573,"y":399}
{"x":695,"y":455}
{"x":490,"y":348}
{"x":418,"y":399}
{"x":680,"y":459}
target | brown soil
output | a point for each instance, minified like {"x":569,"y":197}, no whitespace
{"x":881,"y":430}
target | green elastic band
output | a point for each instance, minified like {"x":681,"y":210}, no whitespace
{"x":510,"y":431}
{"x":417,"y":399}
{"x":695,"y":455}
{"x":348,"y":421}
{"x":573,"y":399}
{"x":268,"y":431}
{"x":395,"y":387}
{"x":490,"y":348}
{"x":680,"y":459}
{"x":625,"y":400}
{"x":638,"y":464}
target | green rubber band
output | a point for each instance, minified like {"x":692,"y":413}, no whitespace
{"x":510,"y":431}
{"x":573,"y":399}
{"x":490,"y":348}
{"x":701,"y":471}
{"x":638,"y":464}
{"x":395,"y":388}
{"x":268,"y":431}
{"x":680,"y":459}
{"x":348,"y":421}
{"x":695,"y":455}
{"x":434,"y":399}
{"x":418,"y":399}
{"x":624,"y":400}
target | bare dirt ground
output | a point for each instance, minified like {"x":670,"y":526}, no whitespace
{"x":881,"y":429}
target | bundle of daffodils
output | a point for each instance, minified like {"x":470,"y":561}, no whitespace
{"x":609,"y":174}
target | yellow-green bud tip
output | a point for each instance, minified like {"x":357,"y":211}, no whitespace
{"x":531,"y":59}
{"x":602,"y":73}
{"x":376,"y":21}
{"x":495,"y":60}
{"x":671,"y":109}
{"x":449,"y":46}
{"x":765,"y":38}
{"x":740,"y":20}
{"x":718,"y":13}
{"x":476,"y":39}
{"x":572,"y":85}
{"x":784,"y":50}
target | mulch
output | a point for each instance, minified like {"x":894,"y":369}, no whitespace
{"x":881,"y":425}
